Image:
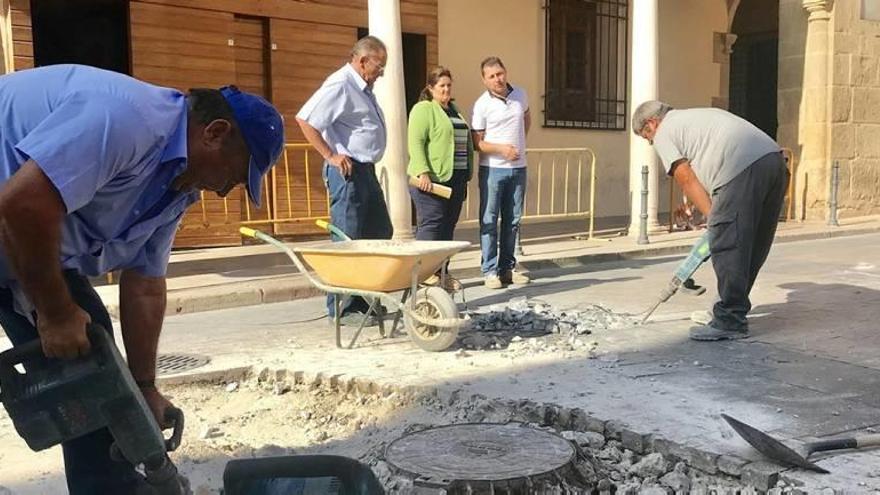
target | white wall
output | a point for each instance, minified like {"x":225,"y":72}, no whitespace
{"x":470,"y":30}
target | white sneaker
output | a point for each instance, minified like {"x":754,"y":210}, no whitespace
{"x":492,"y":282}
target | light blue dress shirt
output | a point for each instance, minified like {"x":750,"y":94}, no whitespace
{"x":344,"y":110}
{"x":111,"y":145}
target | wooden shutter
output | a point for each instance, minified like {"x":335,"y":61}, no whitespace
{"x":190,"y":48}
{"x":303,"y":55}
{"x":22,"y":36}
{"x":251,"y":74}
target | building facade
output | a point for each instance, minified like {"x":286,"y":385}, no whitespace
{"x":805,"y":71}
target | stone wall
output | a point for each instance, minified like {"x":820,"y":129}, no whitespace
{"x":855,"y":108}
{"x":791,"y":111}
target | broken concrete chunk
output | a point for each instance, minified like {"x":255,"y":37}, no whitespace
{"x":650,"y":465}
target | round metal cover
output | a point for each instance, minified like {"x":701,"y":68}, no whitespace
{"x":479,"y":452}
{"x":169,"y":364}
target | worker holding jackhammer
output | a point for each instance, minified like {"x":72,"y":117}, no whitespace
{"x":736,"y":176}
{"x":96,"y":172}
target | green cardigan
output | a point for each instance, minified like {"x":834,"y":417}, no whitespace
{"x":431,"y":140}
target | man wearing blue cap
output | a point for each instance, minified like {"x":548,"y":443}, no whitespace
{"x":96,"y":171}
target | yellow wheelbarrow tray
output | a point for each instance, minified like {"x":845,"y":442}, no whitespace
{"x":374,"y":269}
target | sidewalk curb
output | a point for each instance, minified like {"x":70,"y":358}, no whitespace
{"x":295,"y":286}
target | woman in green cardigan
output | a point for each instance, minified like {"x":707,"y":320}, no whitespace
{"x":440,"y":151}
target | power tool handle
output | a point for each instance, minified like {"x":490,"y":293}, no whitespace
{"x":175,"y":416}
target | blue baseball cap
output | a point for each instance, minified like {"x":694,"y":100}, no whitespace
{"x":263,"y":130}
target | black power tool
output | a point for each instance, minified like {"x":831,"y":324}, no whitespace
{"x":56,"y":400}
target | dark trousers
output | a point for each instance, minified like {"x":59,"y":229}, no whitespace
{"x":357,"y":207}
{"x":742,"y":225}
{"x":438,"y":216}
{"x":87,"y":462}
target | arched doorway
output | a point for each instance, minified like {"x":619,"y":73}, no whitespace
{"x":754,"y":63}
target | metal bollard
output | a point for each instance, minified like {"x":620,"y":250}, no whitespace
{"x":643,"y":218}
{"x":835,"y":185}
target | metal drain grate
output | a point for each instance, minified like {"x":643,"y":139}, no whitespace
{"x":169,"y":364}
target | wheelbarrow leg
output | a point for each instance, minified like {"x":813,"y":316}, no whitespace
{"x":337,"y":306}
{"x":357,"y":333}
{"x":397,"y":317}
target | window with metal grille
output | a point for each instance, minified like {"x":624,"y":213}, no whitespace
{"x":586,"y":70}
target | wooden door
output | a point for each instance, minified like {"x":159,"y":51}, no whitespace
{"x":303,"y":54}
{"x":188,"y":48}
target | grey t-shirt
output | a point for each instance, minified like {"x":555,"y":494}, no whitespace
{"x":718,"y":144}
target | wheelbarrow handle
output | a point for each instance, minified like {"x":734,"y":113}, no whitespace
{"x":324,"y":224}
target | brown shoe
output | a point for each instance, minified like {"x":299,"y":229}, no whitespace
{"x":515,"y":277}
{"x":452,"y":284}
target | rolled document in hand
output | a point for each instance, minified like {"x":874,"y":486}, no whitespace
{"x":437,"y":190}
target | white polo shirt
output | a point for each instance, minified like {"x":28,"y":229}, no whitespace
{"x":503,"y":120}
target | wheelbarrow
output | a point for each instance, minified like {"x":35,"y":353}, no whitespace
{"x":375,"y":269}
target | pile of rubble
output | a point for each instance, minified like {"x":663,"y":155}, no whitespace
{"x":533,"y":325}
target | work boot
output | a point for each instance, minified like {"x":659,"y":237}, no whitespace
{"x":701,"y":317}
{"x":451,"y":284}
{"x":710,"y":333}
{"x":515,"y":277}
{"x":492,"y":282}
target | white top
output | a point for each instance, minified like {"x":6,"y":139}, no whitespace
{"x":718,"y":144}
{"x":344,"y":110}
{"x":503,"y":120}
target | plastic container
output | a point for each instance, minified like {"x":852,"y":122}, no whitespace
{"x":300,"y":475}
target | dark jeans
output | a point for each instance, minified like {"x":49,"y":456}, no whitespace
{"x":438,"y":216}
{"x":502,"y":196}
{"x":742,"y":225}
{"x":87,"y":462}
{"x":357,"y":207}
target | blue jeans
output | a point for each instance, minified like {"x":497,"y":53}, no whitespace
{"x":502,"y":194}
{"x":357,"y":207}
{"x":87,"y":462}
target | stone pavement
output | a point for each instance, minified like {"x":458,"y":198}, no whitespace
{"x":209,"y":279}
{"x":810,"y":370}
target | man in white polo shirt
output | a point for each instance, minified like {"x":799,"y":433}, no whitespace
{"x":500,"y":123}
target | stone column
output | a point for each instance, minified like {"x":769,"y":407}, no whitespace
{"x":7,"y":63}
{"x":643,"y":84}
{"x":385,"y":24}
{"x":815,"y":108}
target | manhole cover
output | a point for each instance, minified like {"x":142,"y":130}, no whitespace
{"x":169,"y":364}
{"x":480,"y":455}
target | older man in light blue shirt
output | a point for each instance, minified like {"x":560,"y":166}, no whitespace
{"x":344,"y":123}
{"x":96,"y":171}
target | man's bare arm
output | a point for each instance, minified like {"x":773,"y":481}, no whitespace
{"x":31,"y":214}
{"x":686,"y":178}
{"x":508,"y":151}
{"x":142,"y":302}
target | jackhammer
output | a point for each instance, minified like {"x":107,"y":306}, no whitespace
{"x":57,"y":400}
{"x":696,"y":257}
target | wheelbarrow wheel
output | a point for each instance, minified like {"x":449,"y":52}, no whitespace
{"x":435,"y":303}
